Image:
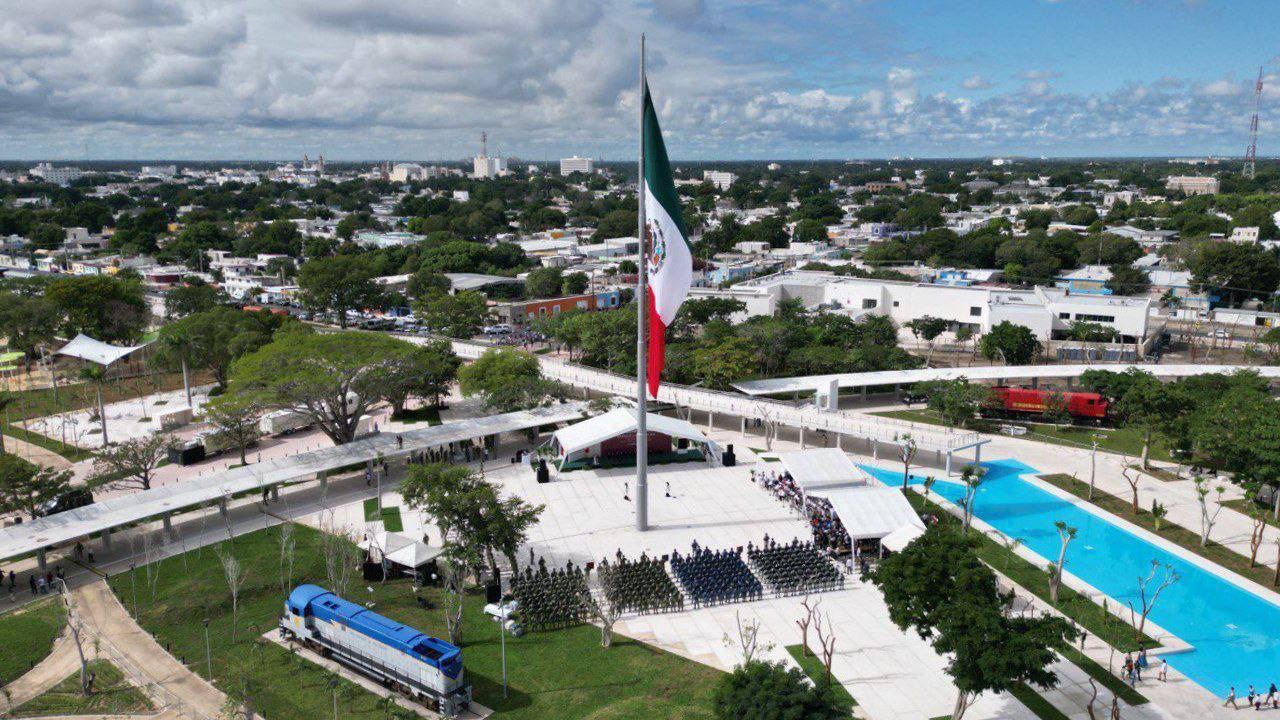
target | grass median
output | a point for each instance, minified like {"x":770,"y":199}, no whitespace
{"x":27,"y":636}
{"x":552,"y":674}
{"x":112,"y":694}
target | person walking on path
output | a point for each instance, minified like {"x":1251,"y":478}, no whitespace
{"x":1231,"y":699}
{"x":1163,"y":673}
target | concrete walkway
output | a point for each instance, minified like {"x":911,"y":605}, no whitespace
{"x":142,"y":659}
{"x":36,"y":454}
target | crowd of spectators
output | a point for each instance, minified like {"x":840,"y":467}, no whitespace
{"x":639,"y":585}
{"x":794,"y":568}
{"x":713,"y":577}
{"x":829,"y":534}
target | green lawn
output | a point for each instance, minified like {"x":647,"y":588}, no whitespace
{"x":390,"y":516}
{"x":70,"y":452}
{"x":27,"y":636}
{"x":555,"y":674}
{"x":1036,"y":703}
{"x":1086,"y":613}
{"x":1176,"y":534}
{"x":812,"y":666}
{"x":111,"y":695}
{"x":1126,"y":441}
{"x":1241,"y":505}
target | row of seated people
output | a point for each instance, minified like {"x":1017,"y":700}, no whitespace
{"x":712,"y":577}
{"x":550,"y":599}
{"x":794,"y":567}
{"x":829,"y":534}
{"x":639,"y":585}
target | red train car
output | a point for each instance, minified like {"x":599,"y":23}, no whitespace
{"x":1012,"y":401}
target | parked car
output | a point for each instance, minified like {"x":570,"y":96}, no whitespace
{"x":70,"y":500}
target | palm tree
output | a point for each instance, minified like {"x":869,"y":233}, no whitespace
{"x":97,"y":374}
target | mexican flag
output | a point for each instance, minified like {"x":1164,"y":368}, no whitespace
{"x":670,"y":263}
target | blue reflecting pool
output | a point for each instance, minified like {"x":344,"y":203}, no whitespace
{"x":1236,"y":634}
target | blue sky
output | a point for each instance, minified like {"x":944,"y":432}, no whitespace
{"x":213,"y":79}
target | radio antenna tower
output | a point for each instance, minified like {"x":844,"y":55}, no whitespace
{"x":484,"y":136}
{"x":1251,"y":155}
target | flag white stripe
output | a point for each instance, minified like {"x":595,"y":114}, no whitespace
{"x":669,"y":252}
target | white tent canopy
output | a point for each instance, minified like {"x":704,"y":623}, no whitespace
{"x":821,"y":468}
{"x":872,"y":512}
{"x":400,"y":549}
{"x":620,"y":421}
{"x":95,"y":351}
{"x":900,"y":538}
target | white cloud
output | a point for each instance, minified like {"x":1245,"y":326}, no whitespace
{"x":976,"y":82}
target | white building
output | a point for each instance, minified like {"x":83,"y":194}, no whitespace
{"x":387,"y":239}
{"x":63,"y":176}
{"x":485,"y":167}
{"x":1048,"y":312}
{"x":574,"y":164}
{"x":1192,"y":184}
{"x":160,"y":172}
{"x":1245,"y":235}
{"x":721,"y":179}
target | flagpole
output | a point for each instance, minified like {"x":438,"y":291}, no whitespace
{"x":642,"y":345}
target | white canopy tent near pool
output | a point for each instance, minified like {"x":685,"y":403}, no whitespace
{"x":873,"y":511}
{"x":821,"y":469}
{"x":588,"y":435}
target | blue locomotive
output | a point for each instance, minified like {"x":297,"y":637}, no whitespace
{"x":400,"y":657}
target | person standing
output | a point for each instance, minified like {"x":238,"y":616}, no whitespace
{"x":1163,"y":674}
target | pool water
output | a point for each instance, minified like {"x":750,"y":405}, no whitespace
{"x":1235,"y":633}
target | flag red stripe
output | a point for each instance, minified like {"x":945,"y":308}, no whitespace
{"x":657,"y":344}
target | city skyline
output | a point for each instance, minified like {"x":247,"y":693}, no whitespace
{"x":148,"y":79}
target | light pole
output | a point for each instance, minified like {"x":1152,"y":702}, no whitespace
{"x":1093,"y":465}
{"x":133,"y":584}
{"x":208,"y":657}
{"x":502,"y":632}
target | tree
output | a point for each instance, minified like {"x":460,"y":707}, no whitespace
{"x":1150,"y":405}
{"x":720,"y":364}
{"x":1014,"y":344}
{"x":25,"y":486}
{"x":425,"y":280}
{"x":972,"y":477}
{"x":1161,"y":578}
{"x":1055,"y":409}
{"x":190,"y":298}
{"x":929,"y":328}
{"x":508,"y":380}
{"x":213,"y":339}
{"x":1208,"y":516}
{"x":1066,"y":534}
{"x":460,"y":315}
{"x":27,"y":321}
{"x":1128,"y":280}
{"x":1233,"y":271}
{"x":235,"y":575}
{"x":333,"y":379}
{"x":338,"y":284}
{"x":110,"y":308}
{"x":132,"y":463}
{"x":236,"y":419}
{"x":469,"y":510}
{"x":544,"y":282}
{"x":575,"y":283}
{"x":938,"y":587}
{"x":908,"y":448}
{"x":426,"y":371}
{"x":955,"y":401}
{"x":771,"y":690}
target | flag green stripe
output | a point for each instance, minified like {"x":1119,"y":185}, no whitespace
{"x":657,"y":169}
